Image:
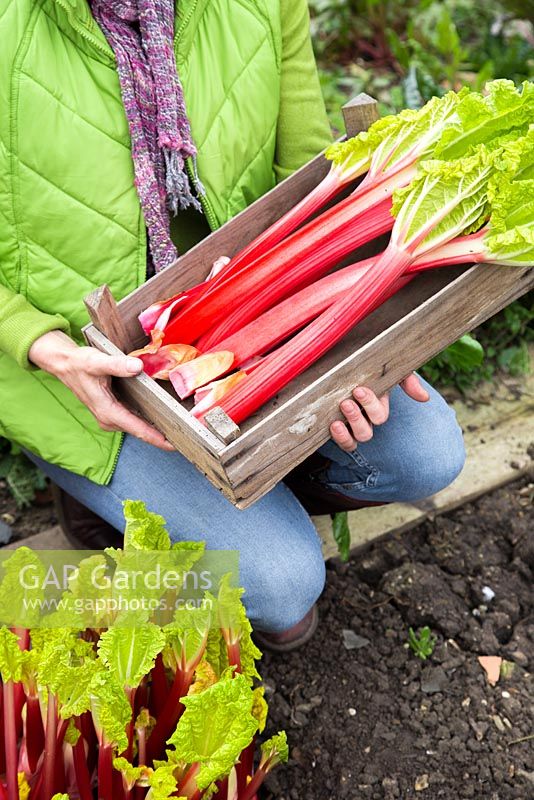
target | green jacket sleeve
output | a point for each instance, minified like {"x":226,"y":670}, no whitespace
{"x":21,"y":324}
{"x":303,"y":129}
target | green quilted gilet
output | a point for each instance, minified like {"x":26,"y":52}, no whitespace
{"x":70,"y":218}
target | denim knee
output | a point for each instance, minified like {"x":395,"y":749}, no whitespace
{"x":433,"y":459}
{"x":283,"y":590}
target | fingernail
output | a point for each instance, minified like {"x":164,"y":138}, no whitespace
{"x":347,"y":405}
{"x":359,"y":394}
{"x":134,"y":364}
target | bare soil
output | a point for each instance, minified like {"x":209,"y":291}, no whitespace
{"x":375,"y":721}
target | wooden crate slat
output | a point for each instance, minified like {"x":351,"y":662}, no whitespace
{"x":182,"y":429}
{"x":305,"y":418}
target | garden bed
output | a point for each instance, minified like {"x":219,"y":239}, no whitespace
{"x":378,"y":723}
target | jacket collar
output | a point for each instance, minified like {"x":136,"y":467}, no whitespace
{"x":188,"y":14}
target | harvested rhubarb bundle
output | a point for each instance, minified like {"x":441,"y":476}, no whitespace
{"x":443,"y":126}
{"x":444,"y":201}
{"x":399,"y":142}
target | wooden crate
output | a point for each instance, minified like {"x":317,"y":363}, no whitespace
{"x":429,"y":314}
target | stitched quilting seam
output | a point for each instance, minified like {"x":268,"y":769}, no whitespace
{"x":78,"y":201}
{"x":125,"y":144}
{"x":237,"y":188}
{"x":22,"y":271}
{"x":230,"y":89}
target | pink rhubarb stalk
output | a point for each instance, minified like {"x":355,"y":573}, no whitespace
{"x":297,"y":260}
{"x":158,"y":359}
{"x":193,"y":374}
{"x":10,"y":737}
{"x":337,"y":178}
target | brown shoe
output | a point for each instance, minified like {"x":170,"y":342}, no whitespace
{"x":84,"y":529}
{"x":291,"y":639}
{"x":305,"y":483}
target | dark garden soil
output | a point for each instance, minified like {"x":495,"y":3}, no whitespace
{"x":374,"y":721}
{"x":24,"y":522}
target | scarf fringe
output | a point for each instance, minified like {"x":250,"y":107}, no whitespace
{"x":179,"y":193}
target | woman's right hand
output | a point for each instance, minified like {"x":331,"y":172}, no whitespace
{"x":87,"y":373}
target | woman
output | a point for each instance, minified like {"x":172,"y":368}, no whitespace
{"x":98,"y":142}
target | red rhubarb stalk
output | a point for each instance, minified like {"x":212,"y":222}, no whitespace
{"x":279,"y":322}
{"x":188,"y":786}
{"x":83,"y":778}
{"x":317,"y":246}
{"x":10,"y":736}
{"x":319,"y":336}
{"x":34,"y":731}
{"x":159,"y":687}
{"x":105,"y":771}
{"x":304,"y":268}
{"x":170,"y":715}
{"x":337,"y":178}
{"x":49,"y":764}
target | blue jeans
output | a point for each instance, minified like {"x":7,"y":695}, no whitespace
{"x":418,"y":451}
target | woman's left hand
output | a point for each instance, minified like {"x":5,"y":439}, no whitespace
{"x":367,"y":410}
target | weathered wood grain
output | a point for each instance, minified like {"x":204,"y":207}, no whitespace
{"x":219,"y":423}
{"x":105,"y":316}
{"x":359,"y":114}
{"x":291,"y":431}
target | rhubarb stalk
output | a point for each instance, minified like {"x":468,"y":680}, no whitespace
{"x":10,"y":736}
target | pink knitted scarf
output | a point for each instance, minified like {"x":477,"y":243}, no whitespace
{"x":141,"y":34}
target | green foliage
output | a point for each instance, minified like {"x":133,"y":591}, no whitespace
{"x":109,"y":674}
{"x":22,"y":477}
{"x":422,"y":643}
{"x":504,"y":342}
{"x":341,"y":533}
{"x":404,"y":53}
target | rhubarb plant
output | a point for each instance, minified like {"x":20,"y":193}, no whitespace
{"x":134,"y":709}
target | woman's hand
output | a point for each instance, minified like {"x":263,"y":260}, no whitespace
{"x":369,"y":410}
{"x":87,"y":373}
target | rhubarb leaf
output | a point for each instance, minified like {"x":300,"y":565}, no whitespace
{"x":274,"y":751}
{"x":129,"y":653}
{"x":415,"y":133}
{"x":25,"y":789}
{"x":11,"y":656}
{"x":446,"y":199}
{"x":260,"y":709}
{"x":481,"y":118}
{"x":215,"y":728}
{"x":186,"y":637}
{"x":72,"y":734}
{"x":163,"y":784}
{"x":236,"y":627}
{"x":21,"y":590}
{"x":144,"y":529}
{"x":510,"y":237}
{"x":205,"y":676}
{"x":132,"y":775}
{"x":111,"y":710}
